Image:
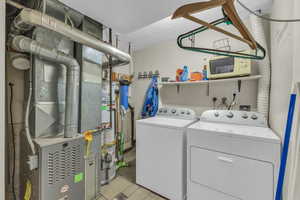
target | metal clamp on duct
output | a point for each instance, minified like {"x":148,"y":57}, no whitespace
{"x":36,"y":18}
{"x":24,"y":44}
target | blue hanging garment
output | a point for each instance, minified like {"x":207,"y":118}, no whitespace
{"x":151,"y":100}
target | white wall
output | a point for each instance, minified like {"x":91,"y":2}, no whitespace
{"x":167,"y":57}
{"x":2,"y":99}
{"x":296,"y":77}
{"x":296,"y":37}
{"x":285,"y":47}
{"x":282,"y":43}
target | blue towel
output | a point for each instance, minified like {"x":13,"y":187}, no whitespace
{"x":151,"y":100}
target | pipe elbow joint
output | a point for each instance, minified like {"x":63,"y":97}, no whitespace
{"x":74,"y":65}
{"x":16,"y":43}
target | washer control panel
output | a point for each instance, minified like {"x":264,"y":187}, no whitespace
{"x":184,"y":113}
{"x":235,"y":117}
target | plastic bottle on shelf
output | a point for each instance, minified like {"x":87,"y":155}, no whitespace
{"x":204,"y":72}
{"x":178,"y":74}
{"x":185,"y":74}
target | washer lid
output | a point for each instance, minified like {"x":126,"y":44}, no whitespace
{"x":167,"y":121}
{"x":247,"y":132}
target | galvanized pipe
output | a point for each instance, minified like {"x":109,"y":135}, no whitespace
{"x":15,"y":4}
{"x":24,"y":44}
{"x":36,"y":18}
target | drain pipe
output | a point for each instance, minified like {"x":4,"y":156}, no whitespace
{"x":24,"y":44}
{"x":35,"y":18}
{"x":264,"y":67}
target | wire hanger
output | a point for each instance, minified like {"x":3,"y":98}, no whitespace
{"x":230,"y":17}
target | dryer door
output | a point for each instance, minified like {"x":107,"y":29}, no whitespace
{"x":234,"y":176}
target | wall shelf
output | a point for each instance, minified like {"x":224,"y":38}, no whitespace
{"x":208,"y":82}
{"x":245,"y":78}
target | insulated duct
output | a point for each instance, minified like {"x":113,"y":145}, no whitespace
{"x":36,"y":18}
{"x":264,"y":68}
{"x":24,"y":44}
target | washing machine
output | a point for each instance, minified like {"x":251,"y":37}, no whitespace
{"x":232,"y":155}
{"x":161,"y":151}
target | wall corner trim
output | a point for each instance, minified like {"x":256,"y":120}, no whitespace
{"x":2,"y":97}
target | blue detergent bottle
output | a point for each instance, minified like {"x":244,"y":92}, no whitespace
{"x":204,"y":72}
{"x":185,"y":74}
{"x":124,"y":89}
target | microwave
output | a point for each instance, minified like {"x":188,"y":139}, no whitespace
{"x":226,"y":67}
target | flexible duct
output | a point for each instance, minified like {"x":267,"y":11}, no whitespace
{"x":24,"y":44}
{"x":27,"y":111}
{"x":264,"y":68}
{"x":36,"y":18}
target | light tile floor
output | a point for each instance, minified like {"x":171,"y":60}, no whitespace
{"x":123,"y":187}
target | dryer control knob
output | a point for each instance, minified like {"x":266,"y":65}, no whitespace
{"x":230,"y":115}
{"x":245,"y":116}
{"x":217,"y":114}
{"x":173,"y":111}
{"x":254,"y":117}
{"x":165,"y":110}
{"x":188,"y":112}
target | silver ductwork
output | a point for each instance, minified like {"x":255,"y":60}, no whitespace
{"x":58,"y":10}
{"x":36,"y":18}
{"x":24,"y":44}
{"x":27,"y":19}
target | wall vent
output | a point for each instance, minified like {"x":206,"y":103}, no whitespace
{"x":63,"y":163}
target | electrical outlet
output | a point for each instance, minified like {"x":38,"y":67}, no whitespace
{"x":224,"y":100}
{"x":245,"y":107}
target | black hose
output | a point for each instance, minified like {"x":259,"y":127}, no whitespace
{"x":132,"y":125}
{"x":11,"y":85}
{"x":132,"y":129}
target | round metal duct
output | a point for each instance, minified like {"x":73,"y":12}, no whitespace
{"x":19,"y":61}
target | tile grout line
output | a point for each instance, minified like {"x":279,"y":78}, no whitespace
{"x":133,"y":191}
